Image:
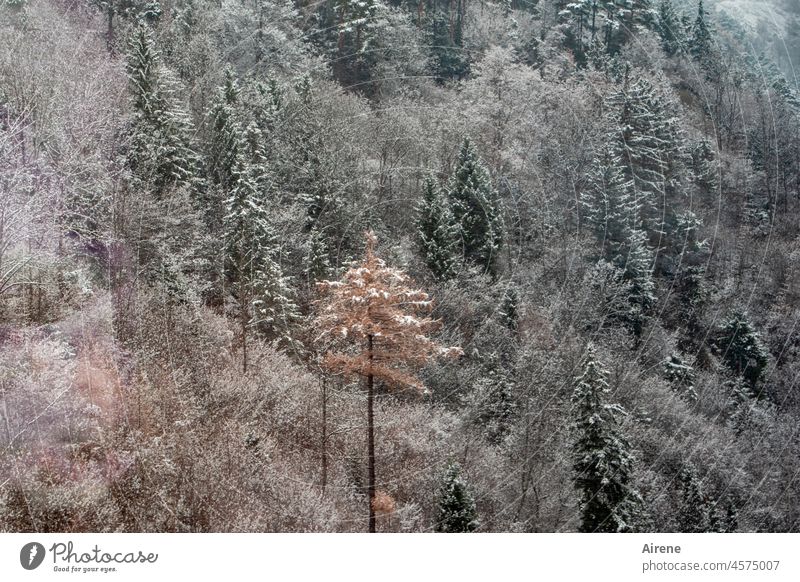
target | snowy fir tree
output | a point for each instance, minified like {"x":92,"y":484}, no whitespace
{"x":160,"y":155}
{"x":262,"y":292}
{"x":602,"y":461}
{"x":613,"y":213}
{"x":374,"y":320}
{"x":317,"y":258}
{"x":608,"y":204}
{"x":701,"y":40}
{"x":740,"y":403}
{"x":696,"y":511}
{"x":670,"y":29}
{"x":643,"y":128}
{"x":226,"y":133}
{"x":456,"y":507}
{"x":681,"y":376}
{"x":494,"y":405}
{"x":705,"y":169}
{"x":438,"y":235}
{"x":509,"y":308}
{"x":742,"y":349}
{"x":476,"y":209}
{"x":637,"y":266}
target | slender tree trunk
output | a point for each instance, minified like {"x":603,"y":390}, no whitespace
{"x":110,"y":28}
{"x":244,"y":317}
{"x":370,"y":439}
{"x":324,"y":434}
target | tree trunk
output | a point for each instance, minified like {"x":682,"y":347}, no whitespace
{"x":324,"y":434}
{"x":244,"y":318}
{"x":370,"y":439}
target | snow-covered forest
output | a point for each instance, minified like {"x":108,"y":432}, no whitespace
{"x":399,"y":266}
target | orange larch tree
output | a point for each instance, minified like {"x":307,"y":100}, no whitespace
{"x":374,"y":323}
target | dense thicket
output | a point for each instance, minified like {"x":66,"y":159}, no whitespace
{"x":176,"y":177}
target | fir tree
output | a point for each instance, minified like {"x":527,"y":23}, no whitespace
{"x":446,"y":33}
{"x":742,"y":349}
{"x":262,"y":292}
{"x":317,"y":260}
{"x":476,"y":209}
{"x":637,"y":266}
{"x":680,"y":375}
{"x":371,"y":317}
{"x":160,"y":155}
{"x":456,"y":508}
{"x":494,"y":403}
{"x":602,"y":460}
{"x":704,"y":167}
{"x":670,"y":29}
{"x":701,"y":40}
{"x":509,"y":308}
{"x":695,"y":513}
{"x":438,"y":236}
{"x":613,"y":212}
{"x":645,"y":134}
{"x":226,"y":134}
{"x":608,"y":204}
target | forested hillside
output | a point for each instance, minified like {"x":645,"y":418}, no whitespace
{"x":405,"y":266}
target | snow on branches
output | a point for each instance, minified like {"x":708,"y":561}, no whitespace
{"x":375,"y":324}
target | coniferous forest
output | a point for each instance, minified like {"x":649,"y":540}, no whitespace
{"x":399,"y":266}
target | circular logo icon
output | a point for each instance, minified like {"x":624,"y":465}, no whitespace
{"x":31,"y":555}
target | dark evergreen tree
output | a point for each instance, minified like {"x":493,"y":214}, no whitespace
{"x":704,"y":167}
{"x":509,"y":308}
{"x":644,"y":130}
{"x":456,"y":507}
{"x":225,"y":134}
{"x":446,"y":32}
{"x":613,"y":213}
{"x":261,"y":291}
{"x":317,"y":258}
{"x":701,"y":42}
{"x":602,"y":460}
{"x":494,"y":403}
{"x":476,"y":209}
{"x":695,"y":513}
{"x":680,"y":375}
{"x":438,"y":235}
{"x":159,"y":155}
{"x":742,"y":349}
{"x":671,"y":29}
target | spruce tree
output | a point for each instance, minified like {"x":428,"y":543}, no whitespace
{"x":681,"y":376}
{"x":649,"y":144}
{"x":262,"y":292}
{"x":225,"y":134}
{"x":476,"y":209}
{"x":438,"y":235}
{"x":742,"y":348}
{"x":509,"y":308}
{"x":456,"y":508}
{"x":670,"y":29}
{"x":704,"y":167}
{"x":613,"y":213}
{"x":602,"y":460}
{"x":701,"y":41}
{"x":159,"y":155}
{"x":695,"y":513}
